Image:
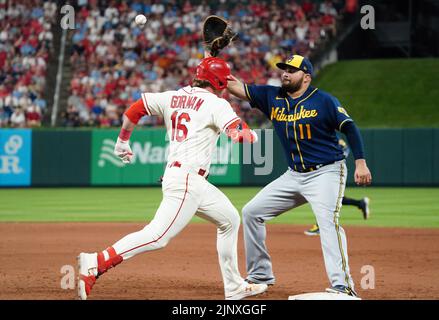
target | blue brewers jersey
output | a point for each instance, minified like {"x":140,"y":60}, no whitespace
{"x":306,"y":126}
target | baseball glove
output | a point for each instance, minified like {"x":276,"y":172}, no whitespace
{"x":217,"y":34}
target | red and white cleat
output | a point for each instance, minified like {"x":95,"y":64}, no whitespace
{"x":88,"y":271}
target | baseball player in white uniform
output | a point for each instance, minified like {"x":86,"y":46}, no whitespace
{"x":194,"y":118}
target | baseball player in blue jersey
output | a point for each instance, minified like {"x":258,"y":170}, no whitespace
{"x":306,"y":120}
{"x":362,"y":204}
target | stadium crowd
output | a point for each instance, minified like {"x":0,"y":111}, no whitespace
{"x":26,"y":41}
{"x":114,"y":60}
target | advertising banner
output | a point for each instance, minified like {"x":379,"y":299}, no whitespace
{"x":15,"y":157}
{"x":150,"y":149}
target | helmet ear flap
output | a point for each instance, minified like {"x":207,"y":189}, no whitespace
{"x":221,"y":84}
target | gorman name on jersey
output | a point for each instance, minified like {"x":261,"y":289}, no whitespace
{"x":279,"y":114}
{"x":186,"y":102}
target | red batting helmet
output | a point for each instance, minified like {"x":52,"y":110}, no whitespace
{"x":214,"y":70}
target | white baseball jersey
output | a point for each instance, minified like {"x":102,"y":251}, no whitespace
{"x":194,"y":118}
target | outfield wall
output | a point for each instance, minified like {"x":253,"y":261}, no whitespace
{"x":396,"y":157}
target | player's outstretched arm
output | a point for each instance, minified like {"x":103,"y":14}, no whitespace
{"x":236,"y":87}
{"x":240,"y":132}
{"x":132,"y":116}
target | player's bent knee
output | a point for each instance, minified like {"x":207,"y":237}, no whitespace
{"x":232,"y":224}
{"x":235,"y":219}
{"x":161,"y":239}
{"x":249,"y":212}
{"x":163,"y":242}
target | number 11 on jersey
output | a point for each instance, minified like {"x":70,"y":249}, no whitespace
{"x":179,"y":129}
{"x":308,"y":131}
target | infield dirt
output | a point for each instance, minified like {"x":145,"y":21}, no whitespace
{"x":405,"y":262}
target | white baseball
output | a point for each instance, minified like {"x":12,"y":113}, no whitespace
{"x":140,"y":19}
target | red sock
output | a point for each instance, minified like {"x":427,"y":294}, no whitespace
{"x":112,"y":261}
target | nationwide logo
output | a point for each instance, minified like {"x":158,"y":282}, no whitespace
{"x":142,"y":153}
{"x":107,"y":154}
{"x":146,"y":153}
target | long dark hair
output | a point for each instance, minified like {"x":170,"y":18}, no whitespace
{"x":201,"y":83}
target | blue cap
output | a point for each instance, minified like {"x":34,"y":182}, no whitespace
{"x":297,"y":61}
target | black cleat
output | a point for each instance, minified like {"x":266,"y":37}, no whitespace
{"x":254,"y":282}
{"x":342,"y":289}
{"x":313,"y":231}
{"x":364,"y":207}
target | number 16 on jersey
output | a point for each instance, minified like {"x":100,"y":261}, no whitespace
{"x":179,"y":129}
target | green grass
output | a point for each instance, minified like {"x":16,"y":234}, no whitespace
{"x":386,"y":93}
{"x":390,"y":207}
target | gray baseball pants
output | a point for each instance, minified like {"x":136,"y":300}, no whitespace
{"x":324,"y":190}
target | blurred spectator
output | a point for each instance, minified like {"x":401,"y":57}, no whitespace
{"x":350,"y":9}
{"x":307,"y":7}
{"x":327,"y":7}
{"x":26,"y":41}
{"x":274,"y":80}
{"x":4,"y":118}
{"x":70,"y":117}
{"x":33,"y":116}
{"x":351,"y":6}
{"x":18,"y":118}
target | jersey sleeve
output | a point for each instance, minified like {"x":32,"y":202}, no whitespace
{"x":224,"y":115}
{"x":258,"y":96}
{"x":155,"y":103}
{"x":338,"y":112}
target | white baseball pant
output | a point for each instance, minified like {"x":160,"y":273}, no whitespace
{"x":185,"y":193}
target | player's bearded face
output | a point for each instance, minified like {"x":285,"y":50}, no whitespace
{"x":292,"y":82}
